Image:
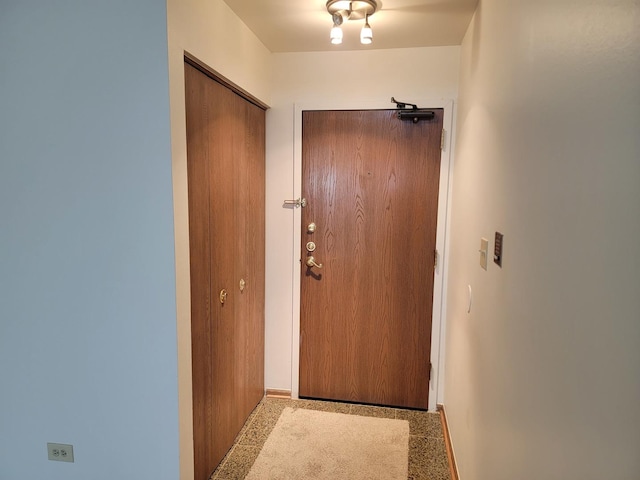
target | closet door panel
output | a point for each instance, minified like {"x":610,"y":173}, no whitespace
{"x":200,"y":259}
{"x":223,"y":139}
{"x":250,"y":212}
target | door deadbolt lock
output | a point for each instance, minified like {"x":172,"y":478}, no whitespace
{"x":311,"y":246}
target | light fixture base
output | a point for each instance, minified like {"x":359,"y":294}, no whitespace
{"x":353,"y":10}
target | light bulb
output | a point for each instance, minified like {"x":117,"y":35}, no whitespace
{"x":366,"y":34}
{"x":336,"y":35}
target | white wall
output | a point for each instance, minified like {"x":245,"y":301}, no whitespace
{"x":543,"y":376}
{"x":338,"y":79}
{"x":210,"y":31}
{"x":87,"y":309}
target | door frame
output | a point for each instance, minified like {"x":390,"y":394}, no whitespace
{"x":436,"y":385}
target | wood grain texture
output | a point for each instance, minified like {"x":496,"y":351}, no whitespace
{"x":222,"y":133}
{"x":250,"y":261}
{"x":225,"y":161}
{"x":275,"y":393}
{"x":222,"y":80}
{"x":200,"y":260}
{"x":371,"y":184}
{"x":451,"y":458}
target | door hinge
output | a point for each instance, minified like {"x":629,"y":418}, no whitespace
{"x":430,"y":369}
{"x":442,"y":138}
{"x":435,"y":259}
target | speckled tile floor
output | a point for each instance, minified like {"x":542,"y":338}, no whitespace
{"x":427,"y":451}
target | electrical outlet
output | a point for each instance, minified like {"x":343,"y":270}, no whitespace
{"x":60,"y":452}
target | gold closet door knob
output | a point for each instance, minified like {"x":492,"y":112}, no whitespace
{"x":223,"y":296}
{"x":242,"y":284}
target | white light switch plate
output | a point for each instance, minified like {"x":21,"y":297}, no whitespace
{"x":484,"y":251}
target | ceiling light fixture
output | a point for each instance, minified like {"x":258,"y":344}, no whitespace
{"x":341,"y":10}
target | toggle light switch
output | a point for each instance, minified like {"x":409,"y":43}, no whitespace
{"x":484,"y":251}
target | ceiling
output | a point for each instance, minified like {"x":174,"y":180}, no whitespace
{"x":304,"y":25}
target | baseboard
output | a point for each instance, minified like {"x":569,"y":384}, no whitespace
{"x":453,"y":467}
{"x":272,"y":393}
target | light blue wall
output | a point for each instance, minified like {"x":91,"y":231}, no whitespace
{"x":87,"y":277}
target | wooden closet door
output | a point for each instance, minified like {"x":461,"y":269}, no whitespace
{"x":250,"y":261}
{"x":225,"y":159}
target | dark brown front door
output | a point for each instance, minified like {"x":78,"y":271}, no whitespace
{"x":225,"y":166}
{"x":371,"y":185}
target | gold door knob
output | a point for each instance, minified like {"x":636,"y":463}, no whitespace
{"x":311,"y":262}
{"x":223,"y":296}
